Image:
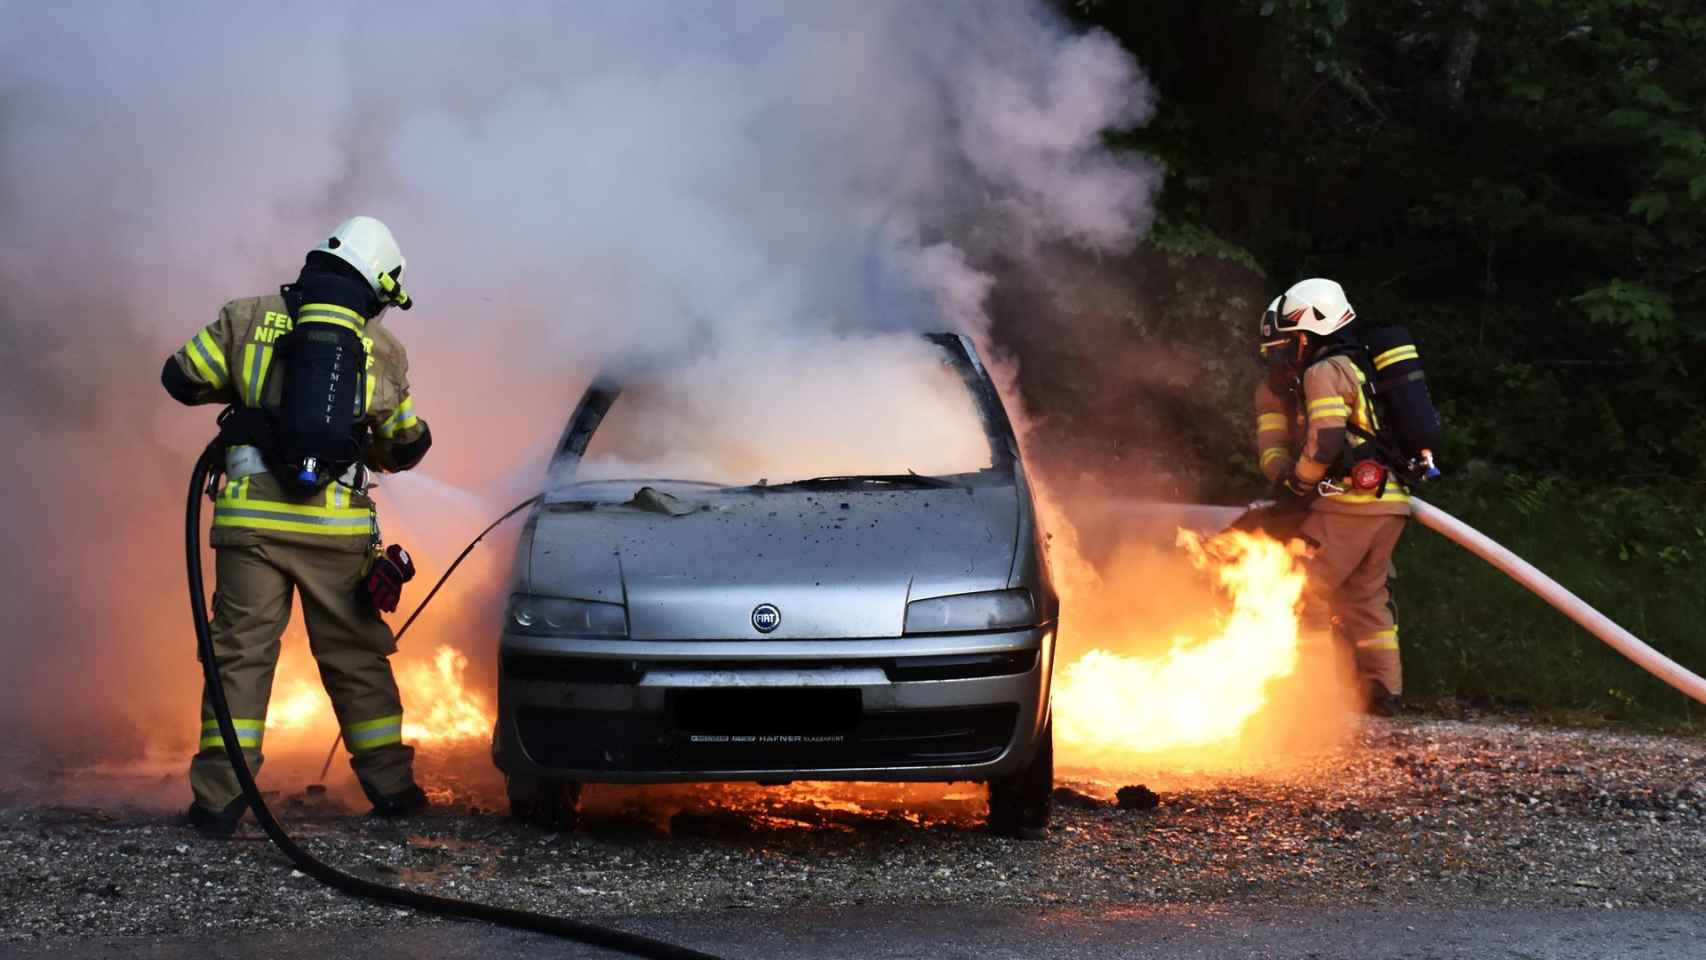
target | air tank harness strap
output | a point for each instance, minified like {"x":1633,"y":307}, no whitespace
{"x":246,"y":460}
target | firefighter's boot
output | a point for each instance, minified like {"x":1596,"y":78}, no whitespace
{"x":220,"y":825}
{"x":407,"y":803}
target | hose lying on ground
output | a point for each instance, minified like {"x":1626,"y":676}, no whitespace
{"x":1563,"y":600}
{"x":611,"y":939}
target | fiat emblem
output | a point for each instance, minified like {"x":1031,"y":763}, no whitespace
{"x":766,"y":618}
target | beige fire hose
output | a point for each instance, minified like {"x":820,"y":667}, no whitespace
{"x":1566,"y":602}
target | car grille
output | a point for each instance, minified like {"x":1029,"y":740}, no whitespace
{"x":549,"y":668}
{"x":712,"y":730}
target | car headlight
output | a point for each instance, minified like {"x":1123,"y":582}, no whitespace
{"x":532,"y":616}
{"x":965,"y":612}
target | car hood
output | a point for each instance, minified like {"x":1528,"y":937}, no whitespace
{"x":835,"y":563}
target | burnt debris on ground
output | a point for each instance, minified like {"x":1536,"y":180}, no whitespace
{"x":1136,"y":797}
{"x":1428,"y":812}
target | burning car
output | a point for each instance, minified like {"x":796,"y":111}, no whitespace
{"x":774,"y":587}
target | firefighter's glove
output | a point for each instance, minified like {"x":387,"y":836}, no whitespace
{"x":384,"y":583}
{"x":1292,"y":495}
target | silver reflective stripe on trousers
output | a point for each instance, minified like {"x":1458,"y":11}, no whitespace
{"x":389,"y":733}
{"x":354,"y":523}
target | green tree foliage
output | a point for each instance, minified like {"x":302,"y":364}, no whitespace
{"x":1523,"y":184}
{"x":1520,"y":182}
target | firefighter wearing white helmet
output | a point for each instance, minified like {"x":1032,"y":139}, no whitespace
{"x":367,"y":245}
{"x":1312,"y":411}
{"x":318,"y":398}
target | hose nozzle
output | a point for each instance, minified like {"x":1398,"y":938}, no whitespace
{"x":1429,"y":471}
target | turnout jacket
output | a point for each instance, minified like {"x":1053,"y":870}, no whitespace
{"x":1307,"y":436}
{"x":227,"y":363}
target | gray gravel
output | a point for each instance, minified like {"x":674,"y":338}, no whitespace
{"x":1431,"y":813}
{"x":960,"y":932}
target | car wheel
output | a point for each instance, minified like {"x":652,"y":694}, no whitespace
{"x":547,"y":803}
{"x":1019,"y":804}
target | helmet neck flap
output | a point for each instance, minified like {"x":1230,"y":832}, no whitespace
{"x":328,"y":279}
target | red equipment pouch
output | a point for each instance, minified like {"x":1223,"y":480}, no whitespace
{"x":1367,"y":475}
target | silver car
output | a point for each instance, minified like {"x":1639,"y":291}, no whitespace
{"x":892,"y":625}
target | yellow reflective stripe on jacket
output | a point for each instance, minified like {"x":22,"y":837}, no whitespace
{"x":1328,"y":407}
{"x":1362,"y":415}
{"x":234,"y":508}
{"x":1384,"y":640}
{"x":369,"y":734}
{"x":249,"y":732}
{"x":261,"y":515}
{"x":1271,"y":421}
{"x":401,"y":420}
{"x":1396,"y":355}
{"x":208,"y":359}
{"x":257,"y":358}
{"x":1273,"y":453}
{"x":1395,"y":493}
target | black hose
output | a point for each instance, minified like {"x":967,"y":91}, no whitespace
{"x":512,"y":511}
{"x":588,"y":933}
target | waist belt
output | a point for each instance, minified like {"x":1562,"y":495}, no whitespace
{"x":245,"y":461}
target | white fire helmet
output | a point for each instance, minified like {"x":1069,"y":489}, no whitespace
{"x":367,"y":245}
{"x":1316,"y":305}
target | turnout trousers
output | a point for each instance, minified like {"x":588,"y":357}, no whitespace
{"x":1349,"y":592}
{"x":349,"y":641}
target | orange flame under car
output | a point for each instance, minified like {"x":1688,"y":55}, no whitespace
{"x":438,"y":705}
{"x":1200,"y":693}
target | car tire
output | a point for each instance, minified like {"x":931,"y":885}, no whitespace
{"x":547,"y":803}
{"x":1019,"y":804}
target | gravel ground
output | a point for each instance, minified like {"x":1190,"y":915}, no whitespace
{"x":1428,"y":812}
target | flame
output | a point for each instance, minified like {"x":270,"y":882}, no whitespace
{"x":438,"y":706}
{"x":1205,"y":689}
{"x":301,"y":706}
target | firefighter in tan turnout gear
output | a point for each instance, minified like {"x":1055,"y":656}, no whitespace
{"x":319,"y":396}
{"x":1314,"y":418}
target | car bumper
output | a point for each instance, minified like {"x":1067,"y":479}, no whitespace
{"x":959,"y":707}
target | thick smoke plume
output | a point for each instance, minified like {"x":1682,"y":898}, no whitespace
{"x":574,"y":185}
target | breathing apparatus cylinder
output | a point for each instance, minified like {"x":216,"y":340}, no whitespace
{"x":323,"y":366}
{"x":1402,"y":400}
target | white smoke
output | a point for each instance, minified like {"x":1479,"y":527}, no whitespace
{"x":571,"y":183}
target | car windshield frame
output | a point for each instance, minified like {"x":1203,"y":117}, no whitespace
{"x":957,"y":349}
